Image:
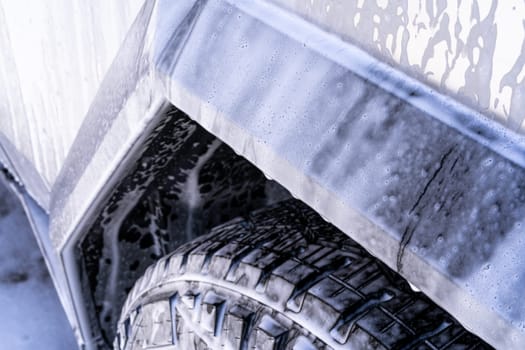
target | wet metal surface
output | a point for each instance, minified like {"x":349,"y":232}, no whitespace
{"x":472,"y":50}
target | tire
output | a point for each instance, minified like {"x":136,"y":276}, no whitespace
{"x":280,"y":279}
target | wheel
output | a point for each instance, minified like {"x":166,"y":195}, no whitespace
{"x":280,"y":279}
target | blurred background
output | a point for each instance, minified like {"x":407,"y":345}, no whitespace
{"x":31,"y":316}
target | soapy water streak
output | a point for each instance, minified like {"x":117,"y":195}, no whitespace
{"x":472,"y":50}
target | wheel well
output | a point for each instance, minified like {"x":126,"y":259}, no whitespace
{"x":184,"y":182}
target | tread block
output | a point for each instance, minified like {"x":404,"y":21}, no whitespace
{"x":345,"y":324}
{"x":317,"y":311}
{"x":174,"y":264}
{"x":191,"y":300}
{"x":245,"y":275}
{"x":277,"y":289}
{"x":360,"y":339}
{"x":238,"y":322}
{"x":117,"y":342}
{"x":303,"y":343}
{"x":271,"y":334}
{"x":280,"y":280}
{"x":174,"y":317}
{"x":158,"y":316}
{"x":212,"y":313}
{"x":219,"y":266}
{"x":195,"y":263}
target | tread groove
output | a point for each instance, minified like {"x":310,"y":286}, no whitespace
{"x":324,"y":290}
{"x":425,"y":336}
{"x":342,"y":328}
{"x":173,"y":314}
{"x":267,"y":271}
{"x":312,"y":279}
